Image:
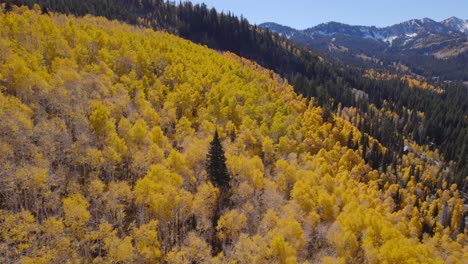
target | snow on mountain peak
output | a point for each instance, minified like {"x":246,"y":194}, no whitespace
{"x":456,"y":24}
{"x":407,"y":32}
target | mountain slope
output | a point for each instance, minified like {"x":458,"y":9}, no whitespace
{"x":442,"y":124}
{"x":422,"y":115}
{"x":432,"y":45}
{"x":104,"y":133}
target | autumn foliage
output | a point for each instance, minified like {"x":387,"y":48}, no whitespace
{"x":104,"y":133}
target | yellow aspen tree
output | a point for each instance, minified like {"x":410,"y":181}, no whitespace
{"x":76,"y":214}
{"x":146,"y":241}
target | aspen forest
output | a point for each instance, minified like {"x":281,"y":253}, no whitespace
{"x":123,"y":144}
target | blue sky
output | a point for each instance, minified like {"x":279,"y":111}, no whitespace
{"x":302,"y":14}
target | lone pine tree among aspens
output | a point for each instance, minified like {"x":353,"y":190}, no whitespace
{"x":216,"y":165}
{"x":219,"y":176}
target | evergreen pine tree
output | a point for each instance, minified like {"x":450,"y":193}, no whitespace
{"x":44,"y":10}
{"x":350,"y":140}
{"x":364,"y":142}
{"x":8,"y":7}
{"x":375,"y":156}
{"x":219,"y":176}
{"x":216,"y":165}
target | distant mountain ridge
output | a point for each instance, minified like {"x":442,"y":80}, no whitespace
{"x":417,"y":44}
{"x":451,"y":26}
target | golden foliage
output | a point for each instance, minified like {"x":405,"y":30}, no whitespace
{"x":104,"y":132}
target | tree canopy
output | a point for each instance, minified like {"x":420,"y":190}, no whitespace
{"x":105,"y":130}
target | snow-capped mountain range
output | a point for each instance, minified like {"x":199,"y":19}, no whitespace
{"x":418,"y":44}
{"x":411,"y":29}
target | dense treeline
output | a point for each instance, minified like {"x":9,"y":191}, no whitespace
{"x":451,"y":68}
{"x":441,"y":120}
{"x":122,"y":145}
{"x":445,"y":69}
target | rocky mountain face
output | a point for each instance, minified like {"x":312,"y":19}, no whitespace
{"x":422,"y":46}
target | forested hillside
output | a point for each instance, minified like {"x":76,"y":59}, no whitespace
{"x":114,"y":140}
{"x":437,"y":120}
